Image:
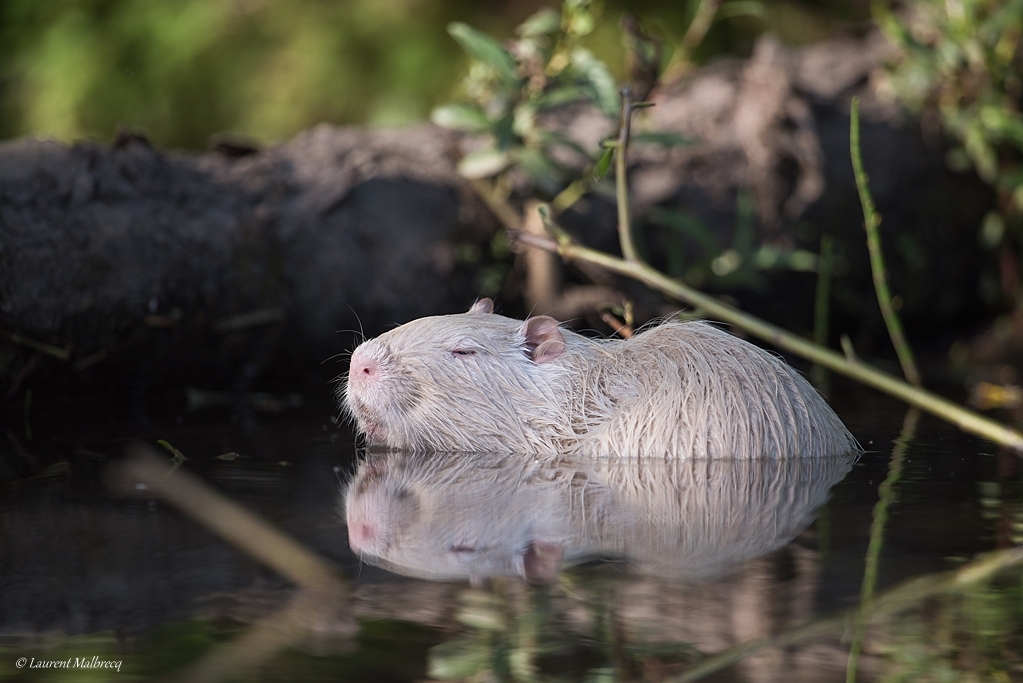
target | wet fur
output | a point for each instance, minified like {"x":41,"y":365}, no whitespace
{"x":467,"y":383}
{"x":692,"y":518}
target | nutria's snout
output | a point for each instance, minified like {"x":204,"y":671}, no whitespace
{"x":366,"y":392}
{"x":376,"y":510}
{"x":364,"y":370}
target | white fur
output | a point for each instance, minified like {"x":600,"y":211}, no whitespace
{"x":677,"y":390}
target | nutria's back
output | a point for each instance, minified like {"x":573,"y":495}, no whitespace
{"x":482,"y":382}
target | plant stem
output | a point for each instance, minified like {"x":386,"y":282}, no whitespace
{"x":901,"y":597}
{"x":621,"y":185}
{"x":886,"y":496}
{"x":871,"y":222}
{"x":965,"y":419}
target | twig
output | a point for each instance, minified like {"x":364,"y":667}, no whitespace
{"x":48,"y":349}
{"x":681,"y":59}
{"x":699,"y":26}
{"x":871,"y":222}
{"x":886,"y":496}
{"x":621,"y":183}
{"x":901,"y":597}
{"x":965,"y":419}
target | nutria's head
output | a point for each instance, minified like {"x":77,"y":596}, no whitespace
{"x":468,"y":382}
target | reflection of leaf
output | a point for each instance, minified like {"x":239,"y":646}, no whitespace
{"x":543,"y":22}
{"x":603,"y":163}
{"x":483,"y":48}
{"x":458,"y":660}
{"x":602,"y":675}
{"x":483,"y":163}
{"x":739,"y":8}
{"x":483,"y":617}
{"x":464,"y":117}
{"x":663,"y":139}
{"x":594,"y":71}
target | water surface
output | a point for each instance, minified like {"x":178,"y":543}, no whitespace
{"x":513,"y":568}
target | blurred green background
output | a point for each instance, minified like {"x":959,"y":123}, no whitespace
{"x":182,"y":70}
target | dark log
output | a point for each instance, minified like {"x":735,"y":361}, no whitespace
{"x":159,"y":268}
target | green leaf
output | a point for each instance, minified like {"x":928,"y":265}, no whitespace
{"x":558,"y":97}
{"x":662,"y":139}
{"x":581,"y":23}
{"x":524,"y":120}
{"x":595,"y":73}
{"x":464,"y":117}
{"x":740,"y":8}
{"x":551,"y":138}
{"x":483,"y":163}
{"x":544,"y":22}
{"x":603,"y":164}
{"x":483,"y":48}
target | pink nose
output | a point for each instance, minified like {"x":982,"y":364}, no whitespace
{"x":361,"y":534}
{"x":363,"y":369}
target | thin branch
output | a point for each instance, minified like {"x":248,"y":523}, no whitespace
{"x":965,"y":419}
{"x":621,"y":185}
{"x":871,"y":223}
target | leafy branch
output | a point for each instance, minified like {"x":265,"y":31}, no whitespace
{"x":563,"y":245}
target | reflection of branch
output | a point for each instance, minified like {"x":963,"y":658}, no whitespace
{"x":902,"y":597}
{"x":306,"y":614}
{"x":144,"y":471}
{"x":886,"y":495}
{"x":321,"y":607}
{"x":48,"y":349}
{"x":965,"y":419}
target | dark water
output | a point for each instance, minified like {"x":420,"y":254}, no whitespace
{"x":639,"y":571}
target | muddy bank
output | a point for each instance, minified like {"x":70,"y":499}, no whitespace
{"x":146,"y":269}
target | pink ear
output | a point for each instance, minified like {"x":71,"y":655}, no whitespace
{"x":484,"y":305}
{"x":544,"y":341}
{"x":541,"y":562}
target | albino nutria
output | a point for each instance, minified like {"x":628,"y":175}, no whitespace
{"x":479,"y":381}
{"x":478,"y":515}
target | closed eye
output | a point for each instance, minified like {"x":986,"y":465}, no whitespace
{"x":463,"y":352}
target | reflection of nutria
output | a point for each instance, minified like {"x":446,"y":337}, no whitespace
{"x":482,"y":382}
{"x":463,"y":515}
